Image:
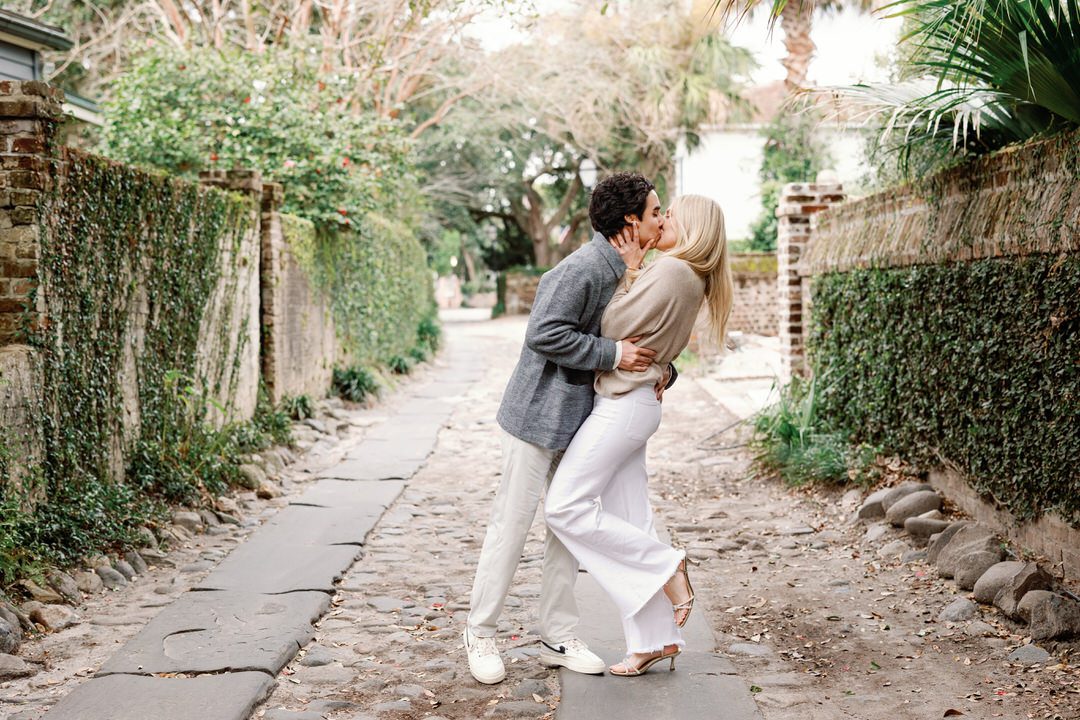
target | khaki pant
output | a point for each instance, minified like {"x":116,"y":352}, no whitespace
{"x":527,"y":471}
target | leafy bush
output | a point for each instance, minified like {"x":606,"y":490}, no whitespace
{"x":975,"y":76}
{"x":792,"y":440}
{"x":269,"y":426}
{"x":77,"y":519}
{"x":429,"y":333}
{"x":189,"y":461}
{"x":973,"y":363}
{"x":298,"y":408}
{"x":400,"y":365}
{"x":792,"y":154}
{"x":186,"y":111}
{"x":355,"y":383}
{"x":376,"y":280}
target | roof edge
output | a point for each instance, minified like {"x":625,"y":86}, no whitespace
{"x":40,"y":34}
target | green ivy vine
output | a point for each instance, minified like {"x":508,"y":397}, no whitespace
{"x":973,"y":363}
{"x":130,"y":276}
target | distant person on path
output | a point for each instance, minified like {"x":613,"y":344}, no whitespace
{"x":598,"y":501}
{"x":548,"y":397}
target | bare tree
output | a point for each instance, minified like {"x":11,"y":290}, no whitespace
{"x":607,"y":86}
{"x":403,"y":57}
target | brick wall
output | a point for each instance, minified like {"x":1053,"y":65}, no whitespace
{"x":28,"y":115}
{"x":299,"y":342}
{"x":520,"y":292}
{"x":295,"y":319}
{"x":1020,"y":201}
{"x":1049,"y":536}
{"x":753,"y":310}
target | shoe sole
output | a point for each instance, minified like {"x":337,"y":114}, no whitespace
{"x":487,"y":681}
{"x":552,"y":660}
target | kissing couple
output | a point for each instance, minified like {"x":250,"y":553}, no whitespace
{"x":577,"y":414}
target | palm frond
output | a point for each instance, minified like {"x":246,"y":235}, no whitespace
{"x":981,"y":74}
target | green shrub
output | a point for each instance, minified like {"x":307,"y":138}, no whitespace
{"x":792,"y":154}
{"x":299,"y":407}
{"x":400,"y":365}
{"x":355,"y":383}
{"x":974,"y":363}
{"x":974,"y":76}
{"x":787,"y":438}
{"x":270,"y":426}
{"x":77,"y":519}
{"x":180,"y":457}
{"x":429,"y":333}
{"x":376,"y":281}
{"x":183,"y":111}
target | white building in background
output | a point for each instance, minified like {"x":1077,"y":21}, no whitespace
{"x":727,"y":163}
{"x":852,"y":47}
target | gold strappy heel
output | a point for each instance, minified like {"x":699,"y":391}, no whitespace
{"x":688,"y":605}
{"x":635,"y":670}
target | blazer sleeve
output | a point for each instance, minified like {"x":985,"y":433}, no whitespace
{"x":554,"y":332}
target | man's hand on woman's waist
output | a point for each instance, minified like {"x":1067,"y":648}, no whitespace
{"x":633,"y":358}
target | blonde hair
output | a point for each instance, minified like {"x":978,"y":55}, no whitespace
{"x":702,"y":244}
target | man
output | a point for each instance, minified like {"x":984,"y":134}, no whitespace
{"x":547,"y":399}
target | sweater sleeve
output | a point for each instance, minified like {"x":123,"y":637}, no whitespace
{"x":553,"y":331}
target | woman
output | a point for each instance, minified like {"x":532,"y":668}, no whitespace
{"x":598,"y":503}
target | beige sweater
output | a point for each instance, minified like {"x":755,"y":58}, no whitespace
{"x":661,"y":306}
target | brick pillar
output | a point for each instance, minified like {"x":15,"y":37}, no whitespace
{"x":29,"y":113}
{"x":798,"y":203}
{"x":271,"y":302}
{"x":247,"y":182}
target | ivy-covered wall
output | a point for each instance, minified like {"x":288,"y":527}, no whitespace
{"x":299,"y":340}
{"x":143,"y":292}
{"x":972,"y":363}
{"x":946,"y":323}
{"x":132,"y":312}
{"x":378,"y":283}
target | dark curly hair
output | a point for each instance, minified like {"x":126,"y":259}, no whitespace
{"x":615,"y":197}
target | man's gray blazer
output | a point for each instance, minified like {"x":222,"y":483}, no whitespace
{"x":551,"y":391}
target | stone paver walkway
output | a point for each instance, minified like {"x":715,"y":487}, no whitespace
{"x":820,"y":619}
{"x":229,"y":637}
{"x":348,"y":603}
{"x":392,"y":646}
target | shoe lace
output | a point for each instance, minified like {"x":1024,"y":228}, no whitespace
{"x":575,"y":645}
{"x":484,"y":646}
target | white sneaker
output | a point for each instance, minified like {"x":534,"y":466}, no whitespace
{"x":484,"y":661}
{"x":572,"y":655}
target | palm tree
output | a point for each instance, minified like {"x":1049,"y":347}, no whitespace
{"x":796,"y":20}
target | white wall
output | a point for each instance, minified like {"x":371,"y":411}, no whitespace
{"x":725,"y":167}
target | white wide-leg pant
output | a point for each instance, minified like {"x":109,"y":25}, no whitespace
{"x":598,"y":505}
{"x":527,"y":470}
